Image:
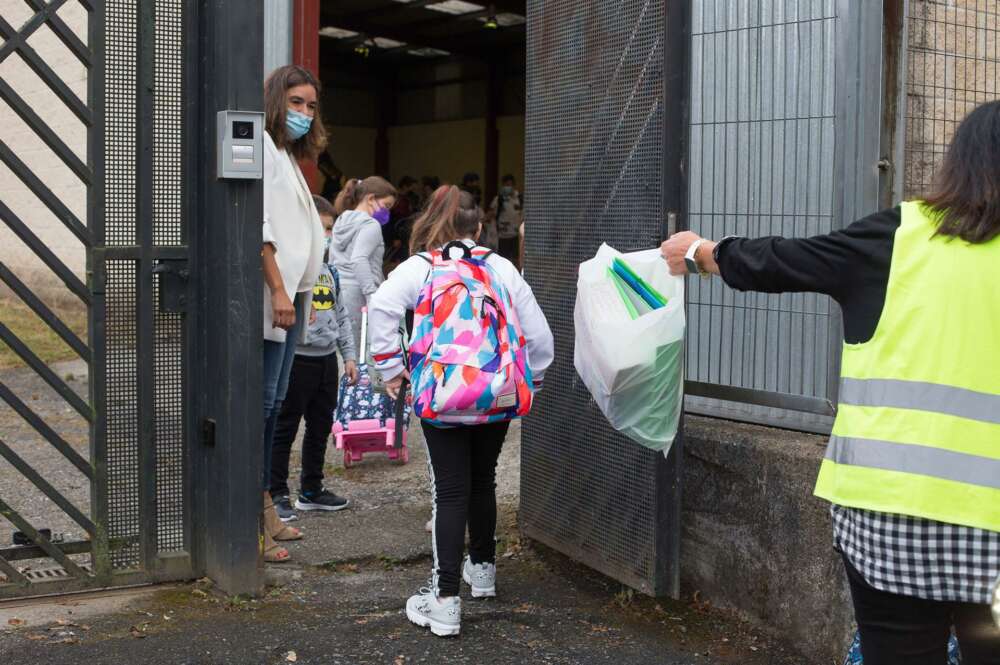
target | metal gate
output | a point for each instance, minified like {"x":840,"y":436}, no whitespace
{"x":784,"y":141}
{"x":603,"y":163}
{"x":149,"y":413}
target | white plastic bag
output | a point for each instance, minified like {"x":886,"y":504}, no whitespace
{"x":632,"y":368}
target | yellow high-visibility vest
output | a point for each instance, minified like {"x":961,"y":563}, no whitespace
{"x":918,"y":426}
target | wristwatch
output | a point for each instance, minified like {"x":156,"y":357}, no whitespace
{"x":689,"y":259}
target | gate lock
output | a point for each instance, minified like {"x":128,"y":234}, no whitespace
{"x":173,"y":274}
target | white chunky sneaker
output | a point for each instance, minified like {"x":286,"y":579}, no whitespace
{"x":482,"y":577}
{"x":442,"y":615}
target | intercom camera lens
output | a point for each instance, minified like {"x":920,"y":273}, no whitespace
{"x":243,"y":130}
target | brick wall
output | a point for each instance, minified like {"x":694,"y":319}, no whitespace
{"x":33,"y":152}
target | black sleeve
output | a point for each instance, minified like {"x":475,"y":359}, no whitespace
{"x":851,"y":265}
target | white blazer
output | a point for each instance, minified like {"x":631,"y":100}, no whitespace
{"x":292,"y":225}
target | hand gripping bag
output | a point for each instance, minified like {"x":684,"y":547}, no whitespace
{"x":633,"y":368}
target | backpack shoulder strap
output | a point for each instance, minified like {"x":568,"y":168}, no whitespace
{"x":426,"y":258}
{"x":482,"y":253}
{"x":336,"y":276}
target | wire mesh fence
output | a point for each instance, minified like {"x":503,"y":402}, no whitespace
{"x":953,"y":65}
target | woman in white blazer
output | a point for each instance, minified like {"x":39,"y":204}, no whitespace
{"x":291,"y":255}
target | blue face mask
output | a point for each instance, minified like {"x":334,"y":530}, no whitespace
{"x":297,"y":124}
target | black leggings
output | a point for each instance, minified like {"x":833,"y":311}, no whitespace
{"x":902,"y":630}
{"x":463,"y":464}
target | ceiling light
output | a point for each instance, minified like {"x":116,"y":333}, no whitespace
{"x":427,"y":52}
{"x":386,"y":43}
{"x":491,"y":20}
{"x":337,"y":33}
{"x":455,"y":7}
{"x":505,"y":20}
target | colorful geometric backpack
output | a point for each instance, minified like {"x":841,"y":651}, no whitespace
{"x":468,"y":362}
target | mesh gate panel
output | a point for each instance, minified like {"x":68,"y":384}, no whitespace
{"x":953,"y":65}
{"x":168,"y":405}
{"x":120,"y":76}
{"x":122,"y":404}
{"x":168,"y":341}
{"x":167,"y":119}
{"x":594,"y":151}
{"x":122,"y":371}
{"x":762,"y":163}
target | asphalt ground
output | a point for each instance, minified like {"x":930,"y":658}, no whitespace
{"x":341,"y":598}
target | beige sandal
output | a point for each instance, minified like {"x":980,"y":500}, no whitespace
{"x":273,"y":552}
{"x":273,"y":525}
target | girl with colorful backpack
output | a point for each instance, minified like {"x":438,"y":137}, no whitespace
{"x":480,"y":346}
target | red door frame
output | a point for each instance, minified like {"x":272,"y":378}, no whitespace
{"x":305,"y":53}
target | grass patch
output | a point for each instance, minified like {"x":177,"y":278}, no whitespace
{"x":37,"y":335}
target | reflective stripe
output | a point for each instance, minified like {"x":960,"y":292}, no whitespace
{"x":921,"y":396}
{"x":922,"y":460}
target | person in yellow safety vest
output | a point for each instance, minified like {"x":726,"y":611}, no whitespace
{"x":912,"y":469}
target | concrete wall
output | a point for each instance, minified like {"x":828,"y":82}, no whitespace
{"x":755,"y":539}
{"x":42,"y":161}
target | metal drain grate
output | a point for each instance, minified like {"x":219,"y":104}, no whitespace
{"x":52,"y":573}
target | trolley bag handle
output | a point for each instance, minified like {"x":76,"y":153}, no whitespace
{"x":401,"y":399}
{"x":400,"y":409}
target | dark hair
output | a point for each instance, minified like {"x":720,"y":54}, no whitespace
{"x":356,"y":190}
{"x":966,"y":191}
{"x":431,"y":181}
{"x":406,"y":181}
{"x":470,"y":177}
{"x":276,"y":106}
{"x":324,"y":207}
{"x":508,"y":178}
{"x":451,"y":214}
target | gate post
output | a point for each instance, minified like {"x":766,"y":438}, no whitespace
{"x":228,"y":418}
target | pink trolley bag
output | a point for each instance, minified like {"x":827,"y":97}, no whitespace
{"x":366,"y":420}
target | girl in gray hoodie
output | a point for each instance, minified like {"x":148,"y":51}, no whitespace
{"x":357,"y":248}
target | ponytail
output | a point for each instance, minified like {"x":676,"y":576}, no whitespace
{"x":354,"y":192}
{"x":347,"y":198}
{"x":451,"y":215}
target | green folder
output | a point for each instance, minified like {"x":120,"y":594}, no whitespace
{"x":637,"y":284}
{"x":635,"y":305}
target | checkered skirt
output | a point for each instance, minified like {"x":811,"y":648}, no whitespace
{"x":917,"y":557}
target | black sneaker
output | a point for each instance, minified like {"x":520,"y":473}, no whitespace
{"x":322,"y":500}
{"x":283,"y":506}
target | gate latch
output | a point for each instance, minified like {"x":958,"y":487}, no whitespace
{"x":173,"y":274}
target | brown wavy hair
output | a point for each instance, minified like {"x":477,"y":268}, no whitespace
{"x":967,"y":187}
{"x":276,"y":88}
{"x":451,"y":214}
{"x":356,"y":190}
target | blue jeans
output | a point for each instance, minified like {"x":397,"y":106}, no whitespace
{"x":278,"y":358}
